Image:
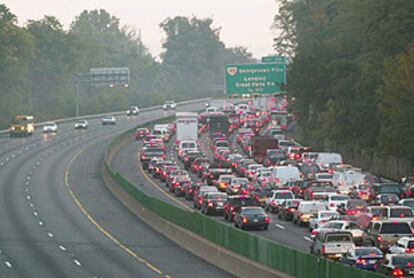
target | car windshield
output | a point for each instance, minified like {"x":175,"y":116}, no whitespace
{"x":338,"y":238}
{"x":189,"y":145}
{"x":217,"y":197}
{"x":390,"y":189}
{"x":284,"y":195}
{"x":409,"y":203}
{"x":324,"y":176}
{"x":253,"y":211}
{"x":406,"y":261}
{"x":367,"y":251}
{"x":333,"y":225}
{"x":401,"y":212}
{"x":396,"y":228}
{"x":339,"y":198}
{"x":328,"y":214}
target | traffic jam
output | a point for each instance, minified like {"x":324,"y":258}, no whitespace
{"x":240,"y":164}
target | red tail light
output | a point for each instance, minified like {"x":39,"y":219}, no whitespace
{"x":163,"y":156}
{"x":176,"y":183}
{"x":267,"y":219}
{"x":350,"y":212}
{"x":361,"y":261}
{"x":314,"y":233}
{"x":332,"y":205}
{"x":323,"y":249}
{"x":409,"y":250}
{"x":397,"y":272}
{"x":190,"y":190}
{"x":291,"y":209}
{"x":379,"y":238}
{"x":277,"y":180}
{"x":210,"y":204}
{"x":245,"y":220}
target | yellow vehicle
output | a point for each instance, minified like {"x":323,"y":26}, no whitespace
{"x":22,"y":125}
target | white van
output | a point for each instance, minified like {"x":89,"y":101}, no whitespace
{"x":283,"y":174}
{"x":324,"y":159}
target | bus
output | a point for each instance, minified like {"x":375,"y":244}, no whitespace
{"x":22,"y":125}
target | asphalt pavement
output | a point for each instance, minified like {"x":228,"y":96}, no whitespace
{"x":60,"y":220}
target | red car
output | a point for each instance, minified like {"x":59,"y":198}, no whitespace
{"x":140,"y":133}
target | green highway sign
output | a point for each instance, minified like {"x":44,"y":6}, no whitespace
{"x":274,"y":59}
{"x":255,"y":79}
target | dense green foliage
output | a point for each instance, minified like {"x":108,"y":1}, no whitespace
{"x":38,"y":64}
{"x":352,"y":71}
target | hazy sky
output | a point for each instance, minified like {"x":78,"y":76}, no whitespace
{"x":244,"y":22}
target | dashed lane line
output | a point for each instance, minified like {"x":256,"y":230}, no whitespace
{"x":96,"y":224}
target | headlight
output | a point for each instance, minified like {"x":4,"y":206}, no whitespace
{"x":13,"y":128}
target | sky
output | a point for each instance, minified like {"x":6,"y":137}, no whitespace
{"x":244,"y":22}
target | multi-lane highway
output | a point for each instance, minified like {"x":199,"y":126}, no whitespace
{"x":59,"y":219}
{"x":283,"y":232}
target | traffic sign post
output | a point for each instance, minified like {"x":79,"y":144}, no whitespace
{"x":244,"y":79}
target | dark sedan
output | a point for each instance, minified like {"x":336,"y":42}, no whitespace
{"x":251,"y":217}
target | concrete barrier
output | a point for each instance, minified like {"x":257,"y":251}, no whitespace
{"x":225,"y":259}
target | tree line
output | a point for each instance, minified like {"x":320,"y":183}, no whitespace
{"x":38,"y":64}
{"x":352,"y":71}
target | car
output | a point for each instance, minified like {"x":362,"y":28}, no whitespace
{"x":334,"y":201}
{"x":148,"y":155}
{"x":108,"y":120}
{"x":214,"y":203}
{"x":363,"y":257}
{"x":169,"y":104}
{"x":332,"y":244}
{"x":287,"y":208}
{"x":195,"y":166}
{"x":235,"y":203}
{"x":251,"y":217}
{"x":385,"y":233}
{"x":402,"y":246}
{"x":50,"y":127}
{"x":211,"y":175}
{"x":386,"y":199}
{"x":345,"y":180}
{"x":305,"y":210}
{"x":283,"y":174}
{"x":179,"y":184}
{"x":198,"y":196}
{"x":342,"y":225}
{"x":321,"y":218}
{"x":276,"y":199}
{"x":385,"y":188}
{"x":223,"y":181}
{"x":234,"y":186}
{"x":132,"y":111}
{"x":409,"y":202}
{"x":353,"y":207}
{"x":81,"y":124}
{"x":397,"y":265}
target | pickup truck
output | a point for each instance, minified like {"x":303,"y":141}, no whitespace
{"x":306,"y":210}
{"x":332,"y":244}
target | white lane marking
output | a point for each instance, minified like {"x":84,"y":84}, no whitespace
{"x":8,"y":264}
{"x":13,"y":155}
{"x":27,"y":183}
{"x":7,"y":159}
{"x":61,"y":247}
{"x":280,"y":226}
{"x":1,"y":164}
{"x":77,"y":262}
{"x":50,"y":235}
{"x":308,"y":239}
{"x":35,"y":213}
{"x":38,"y":162}
{"x":26,"y":189}
{"x":41,"y":223}
{"x":28,"y":178}
{"x":31,"y":205}
{"x":28,"y":197}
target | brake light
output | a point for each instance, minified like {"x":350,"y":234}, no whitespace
{"x":332,"y":205}
{"x":379,"y":238}
{"x":396,"y":272}
{"x":210,"y":204}
{"x":350,"y":212}
{"x":176,"y":183}
{"x":163,"y":156}
{"x":323,"y":248}
{"x":409,"y":250}
{"x":361,"y":261}
{"x":245,"y":220}
{"x":190,"y":190}
{"x":267,"y":219}
{"x":277,"y":180}
{"x":291,"y":209}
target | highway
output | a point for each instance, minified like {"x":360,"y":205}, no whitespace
{"x":283,"y":232}
{"x":59,"y":219}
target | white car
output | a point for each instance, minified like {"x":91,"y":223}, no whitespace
{"x":276,"y":199}
{"x":323,"y":176}
{"x":403,"y":245}
{"x":353,"y":227}
{"x":169,"y":105}
{"x":345,"y":180}
{"x":334,"y":201}
{"x":321,"y":218}
{"x":81,"y":124}
{"x":50,"y":127}
{"x":133,"y":110}
{"x":108,"y":120}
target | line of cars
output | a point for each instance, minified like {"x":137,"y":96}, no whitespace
{"x":352,"y":215}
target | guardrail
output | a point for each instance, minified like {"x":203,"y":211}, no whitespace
{"x":271,"y":254}
{"x":96,"y":116}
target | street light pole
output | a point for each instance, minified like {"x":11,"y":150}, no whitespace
{"x":77,"y":95}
